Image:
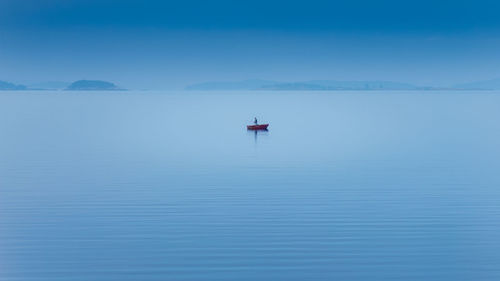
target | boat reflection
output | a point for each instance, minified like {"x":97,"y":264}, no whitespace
{"x":257,"y":133}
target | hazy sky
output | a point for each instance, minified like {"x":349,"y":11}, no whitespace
{"x":168,"y":44}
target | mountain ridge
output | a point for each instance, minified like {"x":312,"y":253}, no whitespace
{"x":92,"y":85}
{"x":491,"y":84}
{"x":7,"y":86}
{"x":304,"y":85}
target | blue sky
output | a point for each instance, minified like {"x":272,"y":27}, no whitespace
{"x":168,"y":44}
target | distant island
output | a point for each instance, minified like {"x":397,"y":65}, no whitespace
{"x":92,"y":85}
{"x":313,"y":85}
{"x":329,"y":85}
{"x":7,"y":86}
{"x":493,"y":84}
{"x":262,"y":85}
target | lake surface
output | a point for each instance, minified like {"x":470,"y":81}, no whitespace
{"x":171,"y":186}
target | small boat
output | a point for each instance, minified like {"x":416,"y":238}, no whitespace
{"x":257,"y":127}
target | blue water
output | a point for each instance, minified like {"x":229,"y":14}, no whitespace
{"x":171,"y":186}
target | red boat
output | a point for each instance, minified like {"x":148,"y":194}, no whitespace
{"x":257,"y":127}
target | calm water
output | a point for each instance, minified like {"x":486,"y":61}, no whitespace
{"x":171,"y":186}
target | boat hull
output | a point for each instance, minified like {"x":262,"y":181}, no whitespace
{"x":257,"y":127}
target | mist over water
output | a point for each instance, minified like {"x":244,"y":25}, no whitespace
{"x":171,"y":186}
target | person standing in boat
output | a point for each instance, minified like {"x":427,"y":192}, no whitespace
{"x":255,"y":121}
